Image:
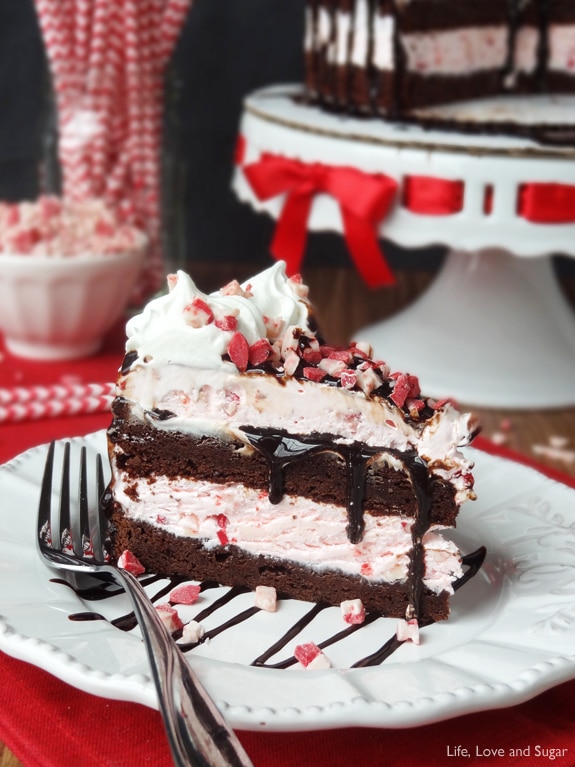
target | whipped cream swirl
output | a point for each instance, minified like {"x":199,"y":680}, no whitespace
{"x":194,"y":329}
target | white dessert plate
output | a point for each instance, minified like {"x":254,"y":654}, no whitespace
{"x":511,"y":634}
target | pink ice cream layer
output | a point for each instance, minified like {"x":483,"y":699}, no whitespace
{"x":299,"y":530}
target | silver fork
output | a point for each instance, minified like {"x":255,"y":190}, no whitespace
{"x":72,"y":537}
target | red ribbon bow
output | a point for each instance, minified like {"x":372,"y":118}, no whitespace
{"x":364,"y":199}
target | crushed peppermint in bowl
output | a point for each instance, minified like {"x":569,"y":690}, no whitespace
{"x":50,"y":226}
{"x":67,"y":272}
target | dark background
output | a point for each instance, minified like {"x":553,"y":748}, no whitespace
{"x":228,"y":48}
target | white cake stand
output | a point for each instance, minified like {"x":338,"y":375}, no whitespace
{"x":494,"y":328}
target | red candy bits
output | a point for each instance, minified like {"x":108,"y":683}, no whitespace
{"x":405,"y":386}
{"x":227,"y":322}
{"x":130,"y":562}
{"x":310,"y":656}
{"x":353,"y":611}
{"x":259,"y":351}
{"x":169,"y":617}
{"x":198,"y":313}
{"x":238,"y":351}
{"x":186,"y":594}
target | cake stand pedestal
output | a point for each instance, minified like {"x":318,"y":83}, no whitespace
{"x":493,"y":329}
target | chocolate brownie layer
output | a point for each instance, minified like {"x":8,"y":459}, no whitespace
{"x":432,"y":90}
{"x":145,"y":451}
{"x":168,"y":555}
{"x":439,"y":15}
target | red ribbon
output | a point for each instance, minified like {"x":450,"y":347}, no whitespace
{"x":432,"y":196}
{"x":540,"y":203}
{"x":543,"y":203}
{"x":364,"y":199}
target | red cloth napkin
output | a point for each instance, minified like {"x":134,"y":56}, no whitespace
{"x":47,"y":723}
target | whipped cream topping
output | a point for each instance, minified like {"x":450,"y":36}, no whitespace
{"x":190,"y":328}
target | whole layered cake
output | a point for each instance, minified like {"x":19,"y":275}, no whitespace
{"x":390,"y":56}
{"x":247,"y":451}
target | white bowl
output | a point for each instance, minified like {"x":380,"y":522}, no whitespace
{"x":58,"y":308}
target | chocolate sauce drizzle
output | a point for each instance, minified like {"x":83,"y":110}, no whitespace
{"x":127,"y":622}
{"x":280,"y":450}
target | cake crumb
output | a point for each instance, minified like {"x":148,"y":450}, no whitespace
{"x":266,"y":598}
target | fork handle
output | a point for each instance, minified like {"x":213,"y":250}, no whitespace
{"x":198,"y":734}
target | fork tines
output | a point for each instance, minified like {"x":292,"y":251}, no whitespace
{"x":69,"y":526}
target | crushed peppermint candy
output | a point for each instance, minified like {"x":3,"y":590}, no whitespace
{"x":259,"y":352}
{"x":198,"y":313}
{"x":311,"y":657}
{"x":408,"y":630}
{"x":353,"y":611}
{"x":266,"y":598}
{"x":193,"y":632}
{"x":169,"y":617}
{"x":186,"y":594}
{"x":130,"y":562}
{"x":294,"y":351}
{"x":55,"y":227}
{"x":239,"y":351}
{"x":234,"y":288}
{"x":406,"y":386}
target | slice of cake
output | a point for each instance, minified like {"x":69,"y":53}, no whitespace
{"x":387,"y":57}
{"x":246,"y":451}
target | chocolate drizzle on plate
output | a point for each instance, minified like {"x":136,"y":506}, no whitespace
{"x":127,"y":622}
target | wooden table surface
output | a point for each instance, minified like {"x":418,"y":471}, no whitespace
{"x":344,"y":305}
